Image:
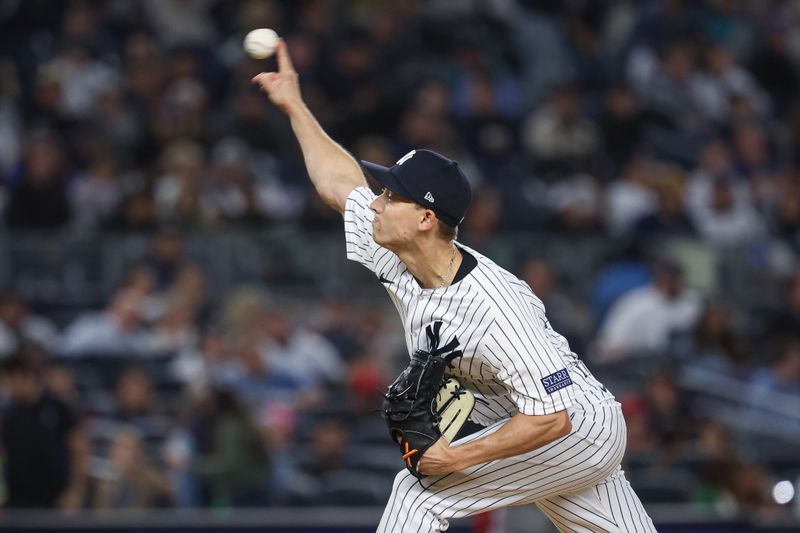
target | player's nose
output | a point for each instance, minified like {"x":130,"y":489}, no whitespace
{"x":377,"y":204}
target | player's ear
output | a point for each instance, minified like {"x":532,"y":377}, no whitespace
{"x":427,"y":220}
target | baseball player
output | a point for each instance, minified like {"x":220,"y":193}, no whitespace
{"x":553,"y":436}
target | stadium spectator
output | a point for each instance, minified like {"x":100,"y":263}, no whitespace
{"x":18,"y":327}
{"x":136,"y":405}
{"x":117,"y":331}
{"x":38,"y":198}
{"x":721,"y":80}
{"x":716,"y":455}
{"x":622,"y":125}
{"x":81,"y":79}
{"x":200,"y":365}
{"x":560,"y":137}
{"x":181,"y":23}
{"x":752,"y":154}
{"x":44,"y":447}
{"x":59,"y":380}
{"x":95,"y":194}
{"x":726,"y":218}
{"x":130,"y":481}
{"x":234,"y":468}
{"x":670,"y":219}
{"x":773,"y":66}
{"x":177,"y":190}
{"x":230,"y":194}
{"x":644,"y":321}
{"x":565,"y":314}
{"x":751,"y":487}
{"x":661,"y":421}
{"x":714,"y":163}
{"x":667,"y":92}
{"x":299,"y":352}
{"x":175,"y":329}
{"x":715,"y":343}
{"x":328,"y":446}
{"x":258,"y":383}
{"x":630,"y":198}
{"x":167,"y":256}
{"x":576,"y":200}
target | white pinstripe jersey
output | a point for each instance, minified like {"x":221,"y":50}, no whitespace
{"x":513,"y":360}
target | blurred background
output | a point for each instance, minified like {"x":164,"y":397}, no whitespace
{"x":177,"y":314}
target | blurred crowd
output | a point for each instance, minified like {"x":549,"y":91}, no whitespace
{"x":632,"y":123}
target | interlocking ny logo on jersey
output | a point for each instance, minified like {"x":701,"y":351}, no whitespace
{"x":556,"y":381}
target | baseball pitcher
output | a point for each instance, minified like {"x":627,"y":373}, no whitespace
{"x":480,"y":345}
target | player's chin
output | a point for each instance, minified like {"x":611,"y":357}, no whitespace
{"x":376,"y":233}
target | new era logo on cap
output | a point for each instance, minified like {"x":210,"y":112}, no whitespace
{"x":425,"y":177}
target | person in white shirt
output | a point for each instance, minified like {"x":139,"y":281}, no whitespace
{"x":116,"y":331}
{"x":630,"y":198}
{"x":643,"y":321}
{"x":298,"y":351}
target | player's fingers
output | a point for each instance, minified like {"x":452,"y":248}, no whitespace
{"x":284,"y":61}
{"x":263,"y":78}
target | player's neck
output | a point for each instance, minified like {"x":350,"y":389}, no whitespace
{"x":433,"y":264}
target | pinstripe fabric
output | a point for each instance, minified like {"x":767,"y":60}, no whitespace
{"x":576,"y":481}
{"x":611,"y":506}
{"x":513,"y":362}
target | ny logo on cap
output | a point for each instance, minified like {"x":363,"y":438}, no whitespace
{"x":429,"y":196}
{"x":406,"y":157}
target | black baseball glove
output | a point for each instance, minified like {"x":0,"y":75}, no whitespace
{"x":421,"y":405}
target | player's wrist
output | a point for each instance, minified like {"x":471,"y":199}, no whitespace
{"x":295,"y":107}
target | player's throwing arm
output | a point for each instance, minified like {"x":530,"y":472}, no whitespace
{"x":332,"y":170}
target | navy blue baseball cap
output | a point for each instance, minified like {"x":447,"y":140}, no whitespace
{"x":431,"y":180}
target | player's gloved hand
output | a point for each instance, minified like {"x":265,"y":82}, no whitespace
{"x":421,"y":406}
{"x":282,"y":87}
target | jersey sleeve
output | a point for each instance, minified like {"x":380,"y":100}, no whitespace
{"x":358,"y":228}
{"x":527,"y":363}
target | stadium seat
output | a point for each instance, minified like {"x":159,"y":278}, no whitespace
{"x":381,"y":460}
{"x":370,"y":430}
{"x":353,"y":488}
{"x":657,"y":485}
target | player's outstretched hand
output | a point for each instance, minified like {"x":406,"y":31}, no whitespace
{"x":282,"y":87}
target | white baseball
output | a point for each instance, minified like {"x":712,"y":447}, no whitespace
{"x":261,"y":43}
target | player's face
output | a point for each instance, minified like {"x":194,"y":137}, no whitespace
{"x":396,"y":219}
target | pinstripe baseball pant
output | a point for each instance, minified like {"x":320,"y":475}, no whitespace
{"x":576,"y":481}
